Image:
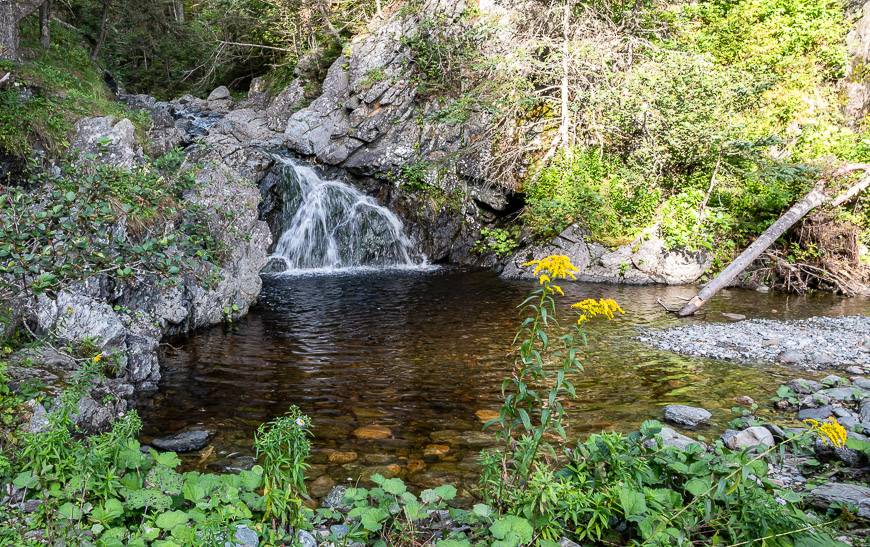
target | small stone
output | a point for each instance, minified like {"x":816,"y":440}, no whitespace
{"x":339,"y":531}
{"x":187,"y":440}
{"x":436,"y":450}
{"x":245,"y":537}
{"x":335,"y":499}
{"x":843,"y":393}
{"x":744,"y":400}
{"x":733,"y":316}
{"x":38,"y":422}
{"x":686,"y":415}
{"x":818,"y":414}
{"x":373,"y":432}
{"x":305,"y":539}
{"x":321,"y":486}
{"x":565,"y":542}
{"x":815,"y":400}
{"x":485,"y":415}
{"x":341,"y":457}
{"x":855,"y":370}
{"x":804,"y":387}
{"x":865,"y":411}
{"x":863,"y":383}
{"x":749,"y":437}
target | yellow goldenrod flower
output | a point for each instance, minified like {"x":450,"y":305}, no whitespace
{"x":555,"y":266}
{"x":555,"y":289}
{"x":544,"y":279}
{"x":590,"y":308}
{"x":830,"y":431}
{"x":98,"y":357}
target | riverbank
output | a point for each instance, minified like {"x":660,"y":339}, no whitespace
{"x":816,"y":343}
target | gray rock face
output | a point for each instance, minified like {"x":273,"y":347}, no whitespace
{"x":187,"y":440}
{"x":851,"y":494}
{"x":749,"y":437}
{"x":844,"y":393}
{"x":110,"y":140}
{"x":644,"y":261}
{"x":686,"y":415}
{"x":305,"y":539}
{"x":38,"y":421}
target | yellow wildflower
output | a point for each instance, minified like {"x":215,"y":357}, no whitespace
{"x":830,"y":431}
{"x":555,"y":266}
{"x":98,"y":357}
{"x":590,"y":308}
{"x":555,"y":289}
{"x":544,"y":279}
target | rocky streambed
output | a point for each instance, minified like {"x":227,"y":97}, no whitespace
{"x":816,"y":343}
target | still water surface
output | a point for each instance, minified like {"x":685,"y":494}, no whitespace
{"x":421,"y":353}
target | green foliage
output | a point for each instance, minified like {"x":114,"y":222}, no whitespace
{"x":442,"y":53}
{"x":283,"y":445}
{"x":62,"y":86}
{"x":597,"y":191}
{"x":94,"y":217}
{"x":497,"y":240}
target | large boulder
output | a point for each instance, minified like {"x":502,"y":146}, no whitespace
{"x":110,"y":140}
{"x":644,"y":261}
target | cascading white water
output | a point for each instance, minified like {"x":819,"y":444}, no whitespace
{"x":330,"y":225}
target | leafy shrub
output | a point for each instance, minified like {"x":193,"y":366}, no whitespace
{"x":97,"y":218}
{"x":497,"y":240}
{"x":597,"y":191}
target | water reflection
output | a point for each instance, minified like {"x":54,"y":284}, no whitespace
{"x":421,"y":354}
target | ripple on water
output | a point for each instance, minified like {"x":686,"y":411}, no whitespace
{"x":419,"y":354}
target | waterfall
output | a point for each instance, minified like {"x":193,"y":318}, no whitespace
{"x":329,"y":225}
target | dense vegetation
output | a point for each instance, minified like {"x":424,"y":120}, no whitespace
{"x":608,"y":489}
{"x":674,"y":117}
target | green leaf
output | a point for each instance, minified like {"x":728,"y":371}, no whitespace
{"x":70,"y":196}
{"x":70,"y":511}
{"x":25,"y":479}
{"x":168,"y":459}
{"x":446,"y":492}
{"x":512,"y":531}
{"x":453,"y":543}
{"x":395,"y":487}
{"x":372,"y":518}
{"x":482,"y":510}
{"x":171,"y":519}
{"x":698,"y":486}
{"x":633,"y":503}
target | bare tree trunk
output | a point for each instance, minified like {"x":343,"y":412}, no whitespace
{"x":566,"y":22}
{"x":45,"y":24}
{"x":11,"y":13}
{"x":104,"y":29}
{"x":809,"y":202}
{"x":178,"y":9}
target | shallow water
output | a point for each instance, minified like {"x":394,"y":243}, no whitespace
{"x":420,"y":353}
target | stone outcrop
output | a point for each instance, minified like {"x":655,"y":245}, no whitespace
{"x":644,"y":261}
{"x":126,"y":321}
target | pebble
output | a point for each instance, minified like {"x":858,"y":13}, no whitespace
{"x":817,"y":342}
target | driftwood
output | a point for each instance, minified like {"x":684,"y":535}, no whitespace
{"x":813,"y":199}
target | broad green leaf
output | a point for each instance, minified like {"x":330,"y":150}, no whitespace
{"x":698,"y":486}
{"x":633,"y":502}
{"x":70,"y":511}
{"x":395,"y":487}
{"x":171,"y":519}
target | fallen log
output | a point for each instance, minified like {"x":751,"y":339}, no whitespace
{"x":813,"y":199}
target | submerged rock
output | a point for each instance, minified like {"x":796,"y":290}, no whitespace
{"x":686,"y":415}
{"x":373,"y":432}
{"x":187,"y":440}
